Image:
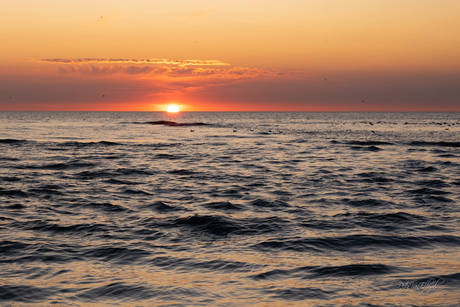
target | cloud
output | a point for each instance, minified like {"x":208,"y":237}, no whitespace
{"x":163,"y":67}
{"x":200,"y":13}
{"x":174,"y":71}
{"x":136,"y":61}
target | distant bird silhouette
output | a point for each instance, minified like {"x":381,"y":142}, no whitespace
{"x":363,"y":100}
{"x":191,"y":130}
{"x":373,"y":131}
{"x":10,"y":97}
{"x":371,"y":123}
{"x":269,"y":131}
{"x":103,"y":95}
{"x":325,"y":79}
{"x":234,"y":130}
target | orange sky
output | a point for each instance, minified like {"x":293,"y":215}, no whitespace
{"x":294,"y":55}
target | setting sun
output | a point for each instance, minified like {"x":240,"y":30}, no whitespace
{"x":172,"y":109}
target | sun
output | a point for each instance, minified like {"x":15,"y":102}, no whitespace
{"x":172,"y":109}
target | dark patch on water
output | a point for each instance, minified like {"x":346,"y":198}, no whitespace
{"x":118,"y":290}
{"x":13,"y":193}
{"x":210,"y":224}
{"x":160,"y":206}
{"x":120,"y":182}
{"x":133,"y":172}
{"x":91,"y":175}
{"x":223,"y":205}
{"x":323,"y":224}
{"x":16,"y":207}
{"x":89,"y":144}
{"x":169,"y":156}
{"x":46,"y":190}
{"x":25,"y":294}
{"x":174,"y":124}
{"x":368,"y":143}
{"x":262,"y":203}
{"x":9,"y":159}
{"x":135,"y":192}
{"x":188,"y":264}
{"x":387,"y":221}
{"x":265,"y":225}
{"x":375,"y":177}
{"x":182,"y":172}
{"x":300,"y":294}
{"x":11,"y":179}
{"x":370,"y":148}
{"x":433,"y":183}
{"x":428,"y":169}
{"x":12,"y":141}
{"x":320,"y":272}
{"x":450,"y":280}
{"x":442,"y":144}
{"x":118,"y":255}
{"x":103,"y":206}
{"x":357,"y":243}
{"x":368,"y":202}
{"x":352,"y":270}
{"x":77,"y":229}
{"x":428,"y":191}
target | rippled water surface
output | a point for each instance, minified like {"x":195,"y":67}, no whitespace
{"x":229,"y":209}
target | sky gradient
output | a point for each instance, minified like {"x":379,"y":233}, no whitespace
{"x":292,"y":55}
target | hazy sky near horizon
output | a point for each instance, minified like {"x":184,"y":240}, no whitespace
{"x":253,"y":55}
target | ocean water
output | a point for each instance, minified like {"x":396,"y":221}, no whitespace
{"x":229,"y":209}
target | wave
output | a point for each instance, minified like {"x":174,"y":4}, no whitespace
{"x":117,"y":255}
{"x":209,"y":224}
{"x":367,"y":143}
{"x":13,"y":193}
{"x":442,"y":144}
{"x":117,"y":290}
{"x":174,"y":124}
{"x":86,"y":144}
{"x":356,"y":243}
{"x":300,"y":294}
{"x":162,"y":207}
{"x":12,"y":141}
{"x":223,"y":205}
{"x":25,"y":294}
{"x":329,"y":271}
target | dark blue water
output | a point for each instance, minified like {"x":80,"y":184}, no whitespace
{"x":229,"y":209}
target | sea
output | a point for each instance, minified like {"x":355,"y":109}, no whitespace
{"x":229,"y":209}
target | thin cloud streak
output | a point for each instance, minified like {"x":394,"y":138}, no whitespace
{"x":136,"y":61}
{"x":176,"y":72}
